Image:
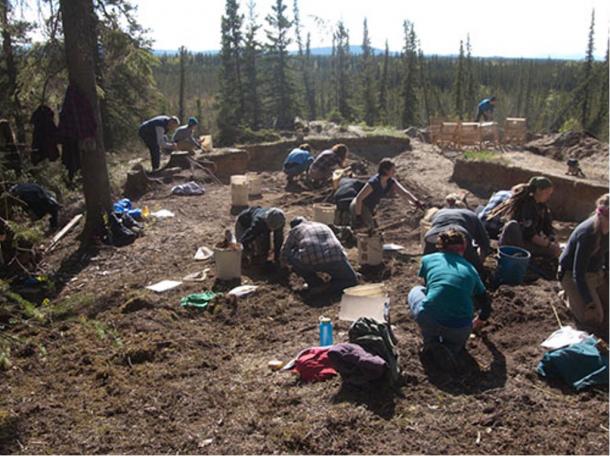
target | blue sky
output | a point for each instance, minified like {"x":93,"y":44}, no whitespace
{"x":515,"y":28}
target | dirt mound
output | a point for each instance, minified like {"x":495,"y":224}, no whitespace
{"x":570,"y":144}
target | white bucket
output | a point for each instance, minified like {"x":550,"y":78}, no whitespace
{"x":324,"y":213}
{"x":254,"y":185}
{"x":239,"y":190}
{"x":228,"y":263}
{"x":364,"y":301}
{"x":370,"y":249}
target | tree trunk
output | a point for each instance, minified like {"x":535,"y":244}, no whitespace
{"x":79,"y":32}
{"x":101,"y":82}
{"x":181,"y":95}
{"x":11,"y":71}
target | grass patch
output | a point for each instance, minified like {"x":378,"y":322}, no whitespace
{"x":484,"y":155}
{"x":103,"y":331}
{"x":383,"y":131}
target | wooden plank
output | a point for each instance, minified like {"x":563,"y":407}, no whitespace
{"x":64,"y":230}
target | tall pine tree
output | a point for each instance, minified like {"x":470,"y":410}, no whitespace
{"x":282,"y":90}
{"x":588,"y":75}
{"x":369,"y":103}
{"x":470,"y":95}
{"x":252,"y":52}
{"x":342,"y":69}
{"x":308,"y":82}
{"x":231,"y":95}
{"x":383,"y":85}
{"x":459,"y":84}
{"x":409,"y":82}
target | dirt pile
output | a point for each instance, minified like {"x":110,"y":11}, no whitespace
{"x":570,"y":144}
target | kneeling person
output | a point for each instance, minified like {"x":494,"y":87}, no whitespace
{"x":254,"y":227}
{"x":444,"y":308}
{"x":312,"y":247}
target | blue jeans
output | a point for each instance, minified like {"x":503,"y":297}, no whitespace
{"x":432,"y":331}
{"x":342,"y":275}
{"x":294,"y":169}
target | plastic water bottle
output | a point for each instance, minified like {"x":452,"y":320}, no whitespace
{"x":326,"y":332}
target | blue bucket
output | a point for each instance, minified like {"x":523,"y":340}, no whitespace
{"x":512,"y":265}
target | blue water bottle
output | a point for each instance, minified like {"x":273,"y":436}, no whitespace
{"x":326,"y":332}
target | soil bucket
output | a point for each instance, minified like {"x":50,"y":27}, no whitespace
{"x":370,"y":249}
{"x":364,"y":301}
{"x":512,"y":265}
{"x":239,"y":190}
{"x":254,"y":185}
{"x":324,"y":213}
{"x":228,"y":263}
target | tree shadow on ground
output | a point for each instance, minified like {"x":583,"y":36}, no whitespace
{"x":469,"y":378}
{"x":9,"y":434}
{"x":72,"y":265}
{"x":377,"y":397}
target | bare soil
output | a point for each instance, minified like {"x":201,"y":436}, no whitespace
{"x":124,"y":370}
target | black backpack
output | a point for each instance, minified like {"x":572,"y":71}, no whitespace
{"x":123,"y":229}
{"x":377,"y":339}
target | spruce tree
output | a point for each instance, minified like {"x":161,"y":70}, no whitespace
{"x":342,"y":68}
{"x":588,"y":75}
{"x":231,"y":98}
{"x":282,"y":90}
{"x":459,"y":84}
{"x":252,"y":53}
{"x":368,"y":82}
{"x":409,"y":81}
{"x":383,"y":85}
{"x":182,"y":53}
{"x":310,"y":92}
{"x":470,"y":97}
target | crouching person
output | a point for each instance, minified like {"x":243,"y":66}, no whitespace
{"x":297,"y":162}
{"x":312,"y":247}
{"x":581,"y":268}
{"x":444,"y":307}
{"x":253,"y":229}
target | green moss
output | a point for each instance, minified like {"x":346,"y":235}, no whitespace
{"x":484,"y":155}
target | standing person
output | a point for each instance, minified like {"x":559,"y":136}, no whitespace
{"x":297,"y":162}
{"x":486,"y":109}
{"x":528,"y":220}
{"x":312,"y":247}
{"x":253,"y":229}
{"x":466,"y":222}
{"x":321,"y":169}
{"x":381,"y":185}
{"x":154,"y":132}
{"x":183,"y":136}
{"x":583,"y":268}
{"x":444,"y":308}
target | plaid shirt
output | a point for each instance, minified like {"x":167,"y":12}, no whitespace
{"x":312,"y":243}
{"x":324,"y":165}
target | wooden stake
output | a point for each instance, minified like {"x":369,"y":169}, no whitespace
{"x":63,"y":231}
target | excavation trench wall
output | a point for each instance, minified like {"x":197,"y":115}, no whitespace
{"x":572,"y":201}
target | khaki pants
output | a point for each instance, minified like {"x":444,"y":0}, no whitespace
{"x":595,"y":312}
{"x":367,"y":216}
